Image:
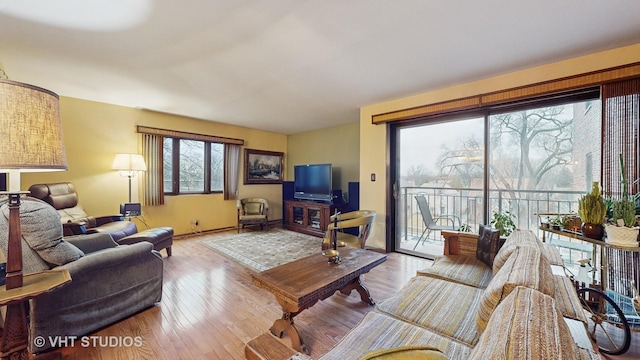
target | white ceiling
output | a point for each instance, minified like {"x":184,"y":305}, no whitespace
{"x":291,"y":65}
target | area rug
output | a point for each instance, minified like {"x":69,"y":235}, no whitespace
{"x":262,"y":250}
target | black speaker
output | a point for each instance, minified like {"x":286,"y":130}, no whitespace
{"x":287,"y":194}
{"x":338,"y":199}
{"x":354,"y":196}
{"x":287,"y":190}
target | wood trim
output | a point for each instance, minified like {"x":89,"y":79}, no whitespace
{"x":187,"y":135}
{"x":595,"y":78}
{"x":426,"y":110}
{"x":565,"y":84}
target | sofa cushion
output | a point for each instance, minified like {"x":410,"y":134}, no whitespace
{"x":488,"y":243}
{"x":461,"y":269}
{"x":378,"y":331}
{"x":406,"y":353}
{"x":42,"y":233}
{"x":518,"y":238}
{"x":544,"y":334}
{"x":429,"y":303}
{"x":567,"y":300}
{"x":253,"y":208}
{"x":525,"y":267}
{"x":553,"y":254}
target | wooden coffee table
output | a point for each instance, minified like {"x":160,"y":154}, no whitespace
{"x":298,"y":285}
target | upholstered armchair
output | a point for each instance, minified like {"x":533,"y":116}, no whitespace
{"x":109,"y":282}
{"x":75,"y":221}
{"x":362,"y":220}
{"x":253,"y":211}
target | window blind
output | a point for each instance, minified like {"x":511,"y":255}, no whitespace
{"x":620,"y":123}
{"x":187,"y":135}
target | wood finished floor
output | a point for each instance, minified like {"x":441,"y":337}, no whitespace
{"x":210,"y":309}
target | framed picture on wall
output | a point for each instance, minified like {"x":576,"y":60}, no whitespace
{"x":263,"y":167}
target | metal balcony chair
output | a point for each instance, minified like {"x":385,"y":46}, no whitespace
{"x":434,"y":224}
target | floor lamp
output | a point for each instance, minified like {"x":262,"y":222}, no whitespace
{"x":128,"y":165}
{"x":31,"y":133}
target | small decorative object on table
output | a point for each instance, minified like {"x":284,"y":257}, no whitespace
{"x":333,"y":256}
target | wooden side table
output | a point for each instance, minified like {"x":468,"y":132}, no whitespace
{"x":15,"y":335}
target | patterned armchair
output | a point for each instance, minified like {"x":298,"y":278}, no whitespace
{"x":253,"y":211}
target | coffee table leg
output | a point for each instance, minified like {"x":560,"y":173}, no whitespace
{"x":286,"y":324}
{"x":358,"y":285}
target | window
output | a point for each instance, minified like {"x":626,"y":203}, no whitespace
{"x":192,"y":166}
{"x":217,"y":167}
{"x":526,"y":158}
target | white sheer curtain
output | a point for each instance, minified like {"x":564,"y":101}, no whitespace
{"x":231,"y":170}
{"x":152,"y":180}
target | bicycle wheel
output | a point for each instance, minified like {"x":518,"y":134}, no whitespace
{"x":607,"y":325}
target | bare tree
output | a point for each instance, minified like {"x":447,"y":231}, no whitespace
{"x":465,"y":161}
{"x":418,"y":174}
{"x":528,"y":144}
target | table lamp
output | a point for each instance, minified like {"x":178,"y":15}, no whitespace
{"x":128,"y":165}
{"x":31,"y":133}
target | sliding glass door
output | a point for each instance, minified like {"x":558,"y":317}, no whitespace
{"x":439,"y":182}
{"x":541,"y":158}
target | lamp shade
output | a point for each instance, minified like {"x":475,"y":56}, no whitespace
{"x":31,"y":129}
{"x":128,"y":162}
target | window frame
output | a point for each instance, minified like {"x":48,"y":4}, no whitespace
{"x":175,"y":168}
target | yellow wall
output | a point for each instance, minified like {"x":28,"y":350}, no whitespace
{"x":94,"y":132}
{"x":373,"y":151}
{"x":337,"y":145}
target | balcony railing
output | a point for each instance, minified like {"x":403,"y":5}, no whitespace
{"x":467,"y":204}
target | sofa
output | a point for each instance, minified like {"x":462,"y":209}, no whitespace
{"x":523,"y":311}
{"x":109,"y":282}
{"x":511,"y":306}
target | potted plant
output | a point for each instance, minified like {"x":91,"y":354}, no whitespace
{"x":555,"y":222}
{"x":592,"y":210}
{"x":571,"y":222}
{"x":503,"y":221}
{"x":465,"y":228}
{"x":623,"y":231}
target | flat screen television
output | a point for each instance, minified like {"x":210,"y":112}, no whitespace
{"x":312,"y":182}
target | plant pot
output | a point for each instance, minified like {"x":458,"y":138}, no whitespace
{"x":592,"y":231}
{"x":622,"y":235}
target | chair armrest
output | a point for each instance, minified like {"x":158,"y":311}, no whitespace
{"x":101,"y":220}
{"x":449,"y":218}
{"x":108,"y":258}
{"x":71,"y":228}
{"x":345,"y":224}
{"x":92,"y":242}
{"x":351,"y":223}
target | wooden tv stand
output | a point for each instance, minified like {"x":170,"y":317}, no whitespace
{"x":308,"y":217}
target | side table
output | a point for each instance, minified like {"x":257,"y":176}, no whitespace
{"x":15,"y":335}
